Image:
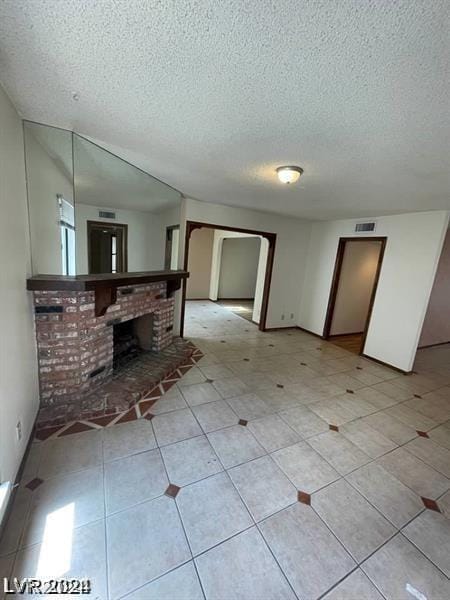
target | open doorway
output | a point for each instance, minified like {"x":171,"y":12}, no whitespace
{"x":234,"y":276}
{"x":229,"y":266}
{"x":107,"y":247}
{"x":433,"y":351}
{"x":355,"y":280}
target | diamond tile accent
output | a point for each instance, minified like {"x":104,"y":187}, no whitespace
{"x":243,"y":422}
{"x":430,"y":504}
{"x":130,"y":415}
{"x":155,"y":393}
{"x":34,"y":483}
{"x":334,"y":427}
{"x":172,"y":490}
{"x":77,"y":427}
{"x":145,"y":405}
{"x":423,"y":434}
{"x":103,"y":421}
{"x":350,"y":391}
{"x":149,"y":416}
{"x":174,"y":376}
{"x":44,"y":434}
{"x":304,"y":498}
{"x":280,"y":385}
{"x":417,"y":396}
{"x":166,"y":385}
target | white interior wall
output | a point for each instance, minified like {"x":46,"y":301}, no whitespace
{"x":356,"y":280}
{"x":146,"y":237}
{"x":216,"y":264}
{"x":169,"y":218}
{"x":412,"y":251}
{"x":239,"y":267}
{"x":19,"y":395}
{"x":290,"y":252}
{"x":46,"y":179}
{"x":199,"y":263}
{"x":436,"y":326}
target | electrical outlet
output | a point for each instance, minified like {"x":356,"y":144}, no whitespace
{"x":19,"y":431}
{"x":282,"y":317}
{"x":292,"y":316}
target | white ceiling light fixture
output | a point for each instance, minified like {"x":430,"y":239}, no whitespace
{"x":289,"y":174}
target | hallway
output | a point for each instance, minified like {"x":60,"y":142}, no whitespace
{"x":279,"y":466}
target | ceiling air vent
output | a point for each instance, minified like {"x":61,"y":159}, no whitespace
{"x":365,"y":227}
{"x":104,"y":214}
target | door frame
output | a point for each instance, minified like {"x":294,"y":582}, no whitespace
{"x":92,"y":224}
{"x":336,"y":278}
{"x":270,"y":237}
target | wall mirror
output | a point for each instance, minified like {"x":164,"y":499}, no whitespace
{"x":49,"y":165}
{"x":93,"y":212}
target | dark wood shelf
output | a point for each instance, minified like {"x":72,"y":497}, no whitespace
{"x":105,"y":285}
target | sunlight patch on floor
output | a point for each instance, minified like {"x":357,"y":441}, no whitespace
{"x":56,"y":550}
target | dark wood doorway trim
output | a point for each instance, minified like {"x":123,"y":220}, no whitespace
{"x":270,"y":237}
{"x":335,"y":283}
{"x":113,"y":226}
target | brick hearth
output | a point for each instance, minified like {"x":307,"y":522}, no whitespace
{"x":140,"y":409}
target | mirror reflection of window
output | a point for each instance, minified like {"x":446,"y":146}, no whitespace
{"x":114,"y":253}
{"x":67,"y":229}
{"x":174,"y":252}
{"x":48,"y":156}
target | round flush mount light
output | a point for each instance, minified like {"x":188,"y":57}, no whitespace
{"x":289,"y":174}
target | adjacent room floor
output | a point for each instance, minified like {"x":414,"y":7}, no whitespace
{"x":279,"y":467}
{"x":242,"y":308}
{"x":351,"y":342}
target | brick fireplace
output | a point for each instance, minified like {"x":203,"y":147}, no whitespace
{"x":77,"y":332}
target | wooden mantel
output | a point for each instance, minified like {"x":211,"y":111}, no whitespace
{"x":105,"y":285}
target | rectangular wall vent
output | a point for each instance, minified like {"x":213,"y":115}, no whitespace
{"x":364,"y":227}
{"x":104,"y":214}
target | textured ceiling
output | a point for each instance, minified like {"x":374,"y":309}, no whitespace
{"x":212,"y":95}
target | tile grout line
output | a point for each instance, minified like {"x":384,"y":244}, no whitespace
{"x":277,"y":413}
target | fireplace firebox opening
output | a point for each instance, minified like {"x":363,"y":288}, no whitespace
{"x":131,"y":338}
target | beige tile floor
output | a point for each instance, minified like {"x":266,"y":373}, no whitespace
{"x":236,"y":528}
